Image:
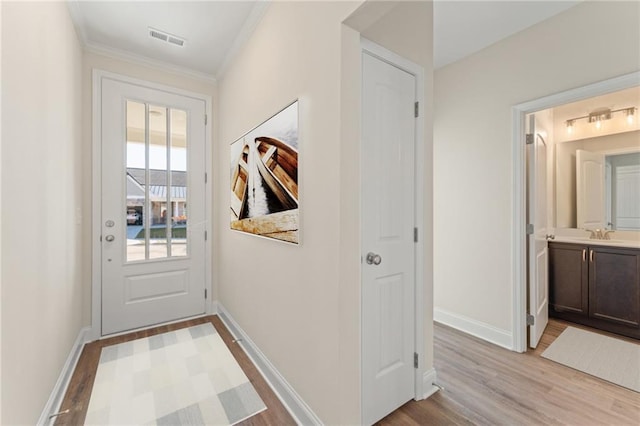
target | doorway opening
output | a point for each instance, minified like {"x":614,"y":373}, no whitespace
{"x":577,"y":199}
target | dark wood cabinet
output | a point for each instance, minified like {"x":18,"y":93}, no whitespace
{"x":568,"y":270}
{"x":614,"y":285}
{"x":598,"y":286}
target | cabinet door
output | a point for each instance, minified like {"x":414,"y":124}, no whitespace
{"x":614,"y":285}
{"x":568,"y":282}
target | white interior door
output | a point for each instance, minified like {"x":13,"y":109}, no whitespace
{"x":537,"y":242}
{"x":388,"y":218}
{"x":153,"y":210}
{"x":627,"y":199}
{"x":590,"y":190}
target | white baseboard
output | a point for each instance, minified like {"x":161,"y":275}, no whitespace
{"x":476,"y":328}
{"x":299,"y":410}
{"x":213,"y":308}
{"x":429,"y":379}
{"x":57,"y":394}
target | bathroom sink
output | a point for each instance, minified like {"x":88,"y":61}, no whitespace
{"x":612,"y":242}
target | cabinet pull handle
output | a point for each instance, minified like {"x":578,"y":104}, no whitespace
{"x":590,"y":255}
{"x":584,"y":255}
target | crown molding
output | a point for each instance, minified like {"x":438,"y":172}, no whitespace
{"x":148,"y":62}
{"x":249,"y":26}
{"x":78,"y":20}
{"x":113,"y":53}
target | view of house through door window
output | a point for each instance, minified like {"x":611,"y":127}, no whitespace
{"x":156,"y":182}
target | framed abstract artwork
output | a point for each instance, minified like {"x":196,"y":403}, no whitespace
{"x":264,"y":179}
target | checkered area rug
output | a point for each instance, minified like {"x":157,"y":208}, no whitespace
{"x":184,"y":377}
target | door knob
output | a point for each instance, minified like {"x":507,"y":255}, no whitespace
{"x":373,"y":259}
{"x":109,"y":238}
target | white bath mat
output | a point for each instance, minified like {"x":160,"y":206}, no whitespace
{"x":614,"y":360}
{"x":184,"y":377}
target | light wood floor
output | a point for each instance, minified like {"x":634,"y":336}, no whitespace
{"x":487,"y":385}
{"x":483,"y":385}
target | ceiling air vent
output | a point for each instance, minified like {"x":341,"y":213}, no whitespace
{"x":166,"y":37}
{"x":158,"y":35}
{"x":176,"y":41}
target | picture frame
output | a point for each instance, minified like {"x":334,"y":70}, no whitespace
{"x":264,"y":198}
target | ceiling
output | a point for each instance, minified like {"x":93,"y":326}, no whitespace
{"x":462,"y":28}
{"x":214,"y":30}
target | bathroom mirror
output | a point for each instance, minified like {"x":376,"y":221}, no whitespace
{"x":598,"y":182}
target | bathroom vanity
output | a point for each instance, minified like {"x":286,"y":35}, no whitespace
{"x":596,"y":283}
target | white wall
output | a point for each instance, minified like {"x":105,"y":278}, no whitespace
{"x":300,"y":304}
{"x":473,"y":148}
{"x":285,"y":296}
{"x":41,"y":192}
{"x":0,"y":214}
{"x":141,"y":71}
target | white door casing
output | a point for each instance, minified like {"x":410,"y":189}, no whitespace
{"x":590,"y":190}
{"x":388,"y":220}
{"x":140,"y":293}
{"x":537,"y":242}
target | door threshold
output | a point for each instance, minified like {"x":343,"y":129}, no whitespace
{"x":147,"y":327}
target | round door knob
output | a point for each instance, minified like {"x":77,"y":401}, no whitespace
{"x":373,"y":259}
{"x":109,"y":238}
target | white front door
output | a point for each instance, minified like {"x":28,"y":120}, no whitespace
{"x":153,"y":206}
{"x":590,"y":190}
{"x":388,"y":220}
{"x":537,"y":242}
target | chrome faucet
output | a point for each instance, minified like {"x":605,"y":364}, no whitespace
{"x":599,"y":234}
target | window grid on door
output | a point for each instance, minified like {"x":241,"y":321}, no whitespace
{"x":156,"y":182}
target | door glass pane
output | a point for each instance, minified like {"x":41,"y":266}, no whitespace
{"x":178,"y":166}
{"x":158,"y":183}
{"x":156,"y":174}
{"x":135,"y":181}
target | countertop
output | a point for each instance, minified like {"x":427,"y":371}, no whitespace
{"x":610,"y":243}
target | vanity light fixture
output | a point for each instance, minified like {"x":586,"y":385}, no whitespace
{"x":570,"y":126}
{"x":630,"y":112}
{"x":600,"y":115}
